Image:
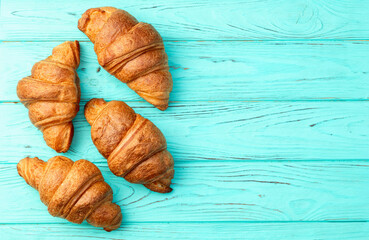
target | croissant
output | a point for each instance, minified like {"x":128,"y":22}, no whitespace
{"x":52,"y":95}
{"x":134,"y":147}
{"x":132,"y":51}
{"x":72,"y":190}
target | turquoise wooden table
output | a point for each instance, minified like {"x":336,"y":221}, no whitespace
{"x":268,"y":121}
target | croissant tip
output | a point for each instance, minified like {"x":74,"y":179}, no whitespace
{"x":166,"y":190}
{"x":76,"y":43}
{"x":108,"y":229}
{"x":19,"y":166}
{"x":116,"y":223}
{"x":61,"y":150}
{"x":30,"y":170}
{"x":82,"y":22}
{"x":159,"y":189}
{"x":26,"y":159}
{"x":162,"y":107}
{"x":59,"y":138}
{"x":73,"y":44}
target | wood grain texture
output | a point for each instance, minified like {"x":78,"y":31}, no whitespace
{"x":265,"y":231}
{"x":224,"y":191}
{"x":219,"y":131}
{"x":191,"y":19}
{"x":220,"y":70}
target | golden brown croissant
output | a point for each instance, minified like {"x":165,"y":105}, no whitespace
{"x":132,"y":51}
{"x":134,"y":147}
{"x":52,"y":95}
{"x":72,"y":190}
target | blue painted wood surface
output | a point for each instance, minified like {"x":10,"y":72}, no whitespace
{"x":268,"y":119}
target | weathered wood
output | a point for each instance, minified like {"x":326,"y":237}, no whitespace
{"x":220,"y":70}
{"x":266,"y":231}
{"x":220,"y":191}
{"x":219,"y":131}
{"x":191,"y":19}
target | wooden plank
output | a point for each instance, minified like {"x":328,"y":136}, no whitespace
{"x":219,"y":131}
{"x":220,"y":191}
{"x":267,"y":231}
{"x":191,"y":19}
{"x":229,"y":71}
